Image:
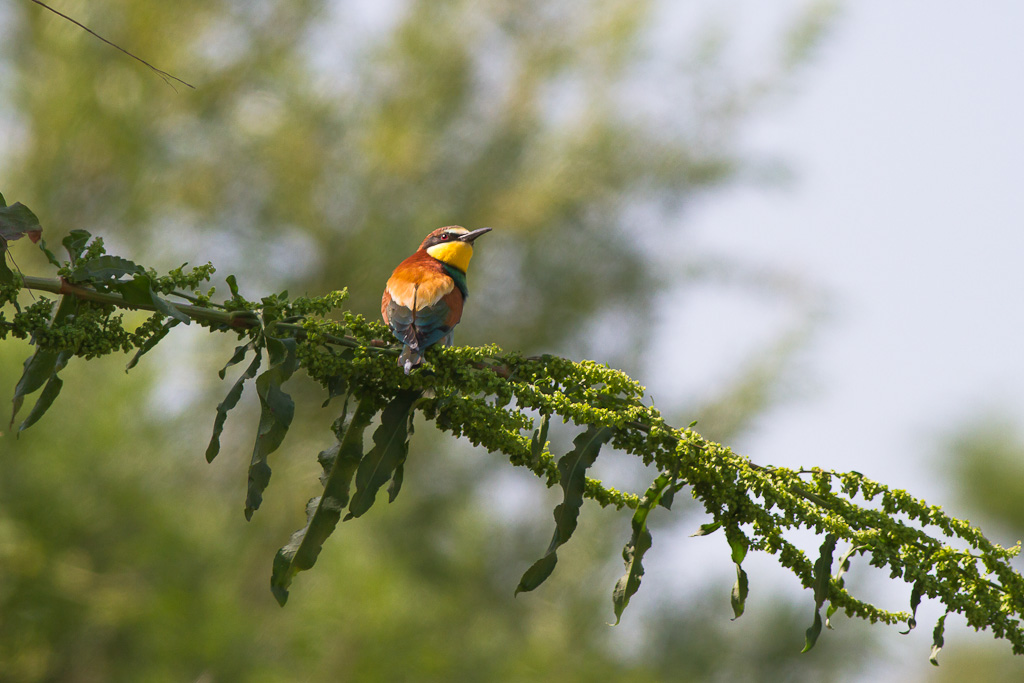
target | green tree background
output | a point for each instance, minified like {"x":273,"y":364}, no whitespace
{"x":321,"y":143}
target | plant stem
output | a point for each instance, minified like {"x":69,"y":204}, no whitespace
{"x":236,"y":319}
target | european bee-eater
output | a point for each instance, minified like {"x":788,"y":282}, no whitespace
{"x":423,"y":299}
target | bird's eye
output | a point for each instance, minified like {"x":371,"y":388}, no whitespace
{"x":445,"y":236}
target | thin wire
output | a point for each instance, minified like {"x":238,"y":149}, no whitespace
{"x":160,"y":72}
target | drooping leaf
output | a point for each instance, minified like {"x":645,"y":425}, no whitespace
{"x":916,"y":593}
{"x":276,"y":412}
{"x":938,"y":639}
{"x":323,"y":512}
{"x":540,"y":439}
{"x":821,"y":579}
{"x":740,"y":591}
{"x":48,"y":394}
{"x":639,"y":543}
{"x":231,"y":400}
{"x":572,"y":469}
{"x":237,"y":357}
{"x":151,"y":343}
{"x":390,"y":448}
{"x":42,"y":365}
{"x":399,"y":475}
{"x":336,"y":386}
{"x":738,"y":546}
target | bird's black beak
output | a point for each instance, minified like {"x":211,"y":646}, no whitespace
{"x":470,"y":236}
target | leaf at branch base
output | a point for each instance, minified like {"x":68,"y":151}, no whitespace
{"x":231,"y":400}
{"x":572,"y":468}
{"x":323,"y":512}
{"x":276,"y":412}
{"x":390,"y":449}
{"x":139,"y":292}
{"x":75,"y":243}
{"x":105,"y":267}
{"x":639,"y":544}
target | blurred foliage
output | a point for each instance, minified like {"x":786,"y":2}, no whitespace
{"x":985,"y":460}
{"x":323,"y":141}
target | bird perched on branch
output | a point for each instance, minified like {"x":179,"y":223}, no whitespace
{"x":423,"y":299}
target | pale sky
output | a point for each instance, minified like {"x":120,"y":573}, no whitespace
{"x":907,"y":139}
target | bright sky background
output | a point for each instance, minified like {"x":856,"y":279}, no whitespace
{"x":907,"y":138}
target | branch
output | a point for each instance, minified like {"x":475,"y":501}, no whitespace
{"x":504,"y":402}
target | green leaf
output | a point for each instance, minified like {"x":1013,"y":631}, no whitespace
{"x":821,"y":578}
{"x":916,"y":594}
{"x":738,"y":545}
{"x":276,"y":412}
{"x":232,"y":284}
{"x":390,"y":448}
{"x":105,"y":267}
{"x":75,"y":243}
{"x":17,"y":221}
{"x":572,"y":468}
{"x":151,"y":343}
{"x":6,"y":274}
{"x":399,"y":475}
{"x":740,"y":590}
{"x":812,"y":633}
{"x":706,"y":529}
{"x":323,"y":512}
{"x":42,"y":365}
{"x":639,"y":543}
{"x":669,"y":496}
{"x":938,"y":639}
{"x":231,"y":400}
{"x":336,"y":386}
{"x":48,"y":394}
{"x":47,"y":253}
{"x":139,"y":292}
{"x":540,"y":439}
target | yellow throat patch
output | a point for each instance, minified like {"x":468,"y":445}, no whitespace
{"x":456,"y":254}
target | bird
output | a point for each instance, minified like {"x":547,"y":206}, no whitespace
{"x":424,"y":296}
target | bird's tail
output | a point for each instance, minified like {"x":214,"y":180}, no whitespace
{"x":411,"y":358}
